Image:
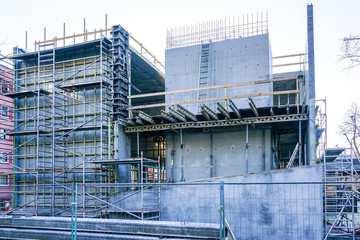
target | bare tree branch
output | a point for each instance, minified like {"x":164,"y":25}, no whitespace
{"x":347,"y":125}
{"x":351,"y":50}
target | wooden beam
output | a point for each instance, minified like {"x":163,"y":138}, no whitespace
{"x":215,"y":87}
{"x":288,"y":64}
{"x":291,"y":55}
{"x":215,"y":99}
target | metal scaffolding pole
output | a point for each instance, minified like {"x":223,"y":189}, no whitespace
{"x":247,"y":150}
{"x":182,"y":178}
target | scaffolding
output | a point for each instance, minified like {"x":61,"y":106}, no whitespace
{"x":341,"y":178}
{"x":144,"y":173}
{"x":64,"y":118}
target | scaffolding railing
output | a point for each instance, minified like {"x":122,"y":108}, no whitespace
{"x":88,"y":36}
{"x":292,"y":97}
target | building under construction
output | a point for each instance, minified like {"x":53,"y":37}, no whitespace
{"x":222,"y":142}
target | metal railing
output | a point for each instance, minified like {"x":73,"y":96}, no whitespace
{"x":263,"y":210}
{"x":223,"y":29}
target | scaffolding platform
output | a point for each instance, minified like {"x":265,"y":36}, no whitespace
{"x":5,"y":173}
{"x":27,"y":132}
{"x":332,"y":154}
{"x":83,"y":128}
{"x":26,"y":93}
{"x":125,"y":161}
{"x":83,"y":85}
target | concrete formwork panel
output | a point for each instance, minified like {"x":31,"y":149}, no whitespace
{"x":231,"y":61}
{"x":228,"y":150}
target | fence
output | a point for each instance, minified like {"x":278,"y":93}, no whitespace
{"x":292,"y":210}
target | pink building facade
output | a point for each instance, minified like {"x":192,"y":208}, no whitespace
{"x":6,"y":124}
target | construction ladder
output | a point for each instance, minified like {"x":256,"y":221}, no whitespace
{"x":45,"y":126}
{"x":205,"y":71}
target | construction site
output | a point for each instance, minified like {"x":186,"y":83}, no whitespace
{"x":100,"y":139}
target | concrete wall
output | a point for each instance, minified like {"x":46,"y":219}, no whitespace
{"x":232,"y":61}
{"x":228,"y":150}
{"x":264,"y":211}
{"x":124,"y":146}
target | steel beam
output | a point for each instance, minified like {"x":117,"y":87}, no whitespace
{"x":167,"y":116}
{"x":130,"y":122}
{"x":253,"y":107}
{"x":210,"y":112}
{"x":218,"y":123}
{"x":223,"y":111}
{"x":177,"y":115}
{"x":271,"y":111}
{"x":139,"y":121}
{"x":205,"y":115}
{"x":186,"y":112}
{"x":234,"y":108}
{"x":146,"y":117}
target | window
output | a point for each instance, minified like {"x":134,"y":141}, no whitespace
{"x":4,"y":180}
{"x":3,"y":135}
{"x":4,"y":111}
{"x":4,"y":88}
{"x":3,"y":157}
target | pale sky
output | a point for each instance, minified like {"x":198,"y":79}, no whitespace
{"x":148,"y":20}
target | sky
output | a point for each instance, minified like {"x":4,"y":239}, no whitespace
{"x":148,"y":21}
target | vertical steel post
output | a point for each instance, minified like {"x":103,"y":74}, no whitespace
{"x":300,"y":145}
{"x":72,"y":210}
{"x":53,"y":132}
{"x":310,"y":87}
{"x":211,"y":155}
{"x":64,"y":34}
{"x":182,"y":178}
{"x":76,"y":205}
{"x":26,"y":41}
{"x":142,"y":185}
{"x":85,"y":31}
{"x":44,"y":35}
{"x":83,"y":188}
{"x":106,"y":25}
{"x":101,"y":97}
{"x":352,"y":198}
{"x":222,"y":211}
{"x":172,"y":156}
{"x":247,"y":150}
{"x":37,"y":131}
{"x":138,"y":143}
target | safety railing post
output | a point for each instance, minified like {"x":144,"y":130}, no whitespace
{"x":76,"y":207}
{"x":72,"y":210}
{"x":74,"y":190}
{"x":222,"y":212}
